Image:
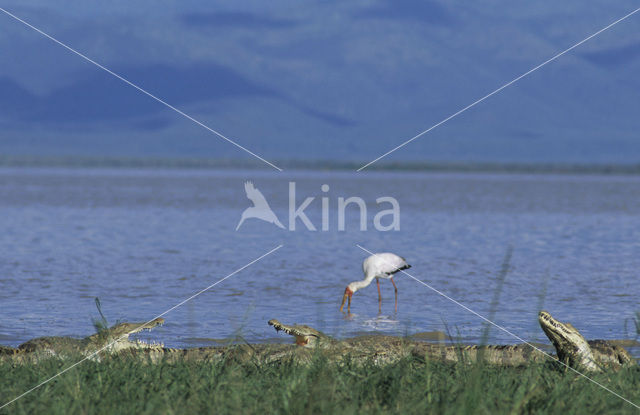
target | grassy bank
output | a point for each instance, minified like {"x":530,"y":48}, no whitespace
{"x":122,"y":385}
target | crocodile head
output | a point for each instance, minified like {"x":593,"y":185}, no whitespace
{"x":305,"y":336}
{"x":117,"y":337}
{"x":125,"y":328}
{"x":571,"y":347}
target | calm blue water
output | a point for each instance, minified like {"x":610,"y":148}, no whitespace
{"x":144,"y":240}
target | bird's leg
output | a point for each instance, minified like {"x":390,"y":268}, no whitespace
{"x":379,"y":296}
{"x":396,"y":290}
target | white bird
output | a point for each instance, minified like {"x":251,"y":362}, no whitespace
{"x":377,"y":266}
{"x":260,"y":208}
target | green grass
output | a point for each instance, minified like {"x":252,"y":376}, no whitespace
{"x":121,"y":385}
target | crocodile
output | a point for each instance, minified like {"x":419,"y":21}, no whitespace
{"x":112,"y":340}
{"x":572,"y":348}
{"x":575,"y":351}
{"x":305,"y":335}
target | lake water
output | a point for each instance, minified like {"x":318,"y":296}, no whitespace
{"x":144,"y":240}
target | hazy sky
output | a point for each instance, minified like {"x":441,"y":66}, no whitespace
{"x":322,"y":80}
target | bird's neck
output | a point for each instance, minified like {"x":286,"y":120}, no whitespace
{"x":356,"y":285}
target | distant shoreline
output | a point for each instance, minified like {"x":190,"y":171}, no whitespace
{"x":415,"y":166}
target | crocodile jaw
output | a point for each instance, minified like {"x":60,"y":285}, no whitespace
{"x":569,"y":343}
{"x":303,"y":338}
{"x":128,"y":329}
{"x":117,"y":337}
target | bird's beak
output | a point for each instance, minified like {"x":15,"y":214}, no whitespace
{"x":347,"y":294}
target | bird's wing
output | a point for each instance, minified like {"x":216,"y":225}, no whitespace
{"x":384,"y":263}
{"x":395,"y":263}
{"x":255,"y":196}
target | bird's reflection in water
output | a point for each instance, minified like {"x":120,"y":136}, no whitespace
{"x":381,"y":323}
